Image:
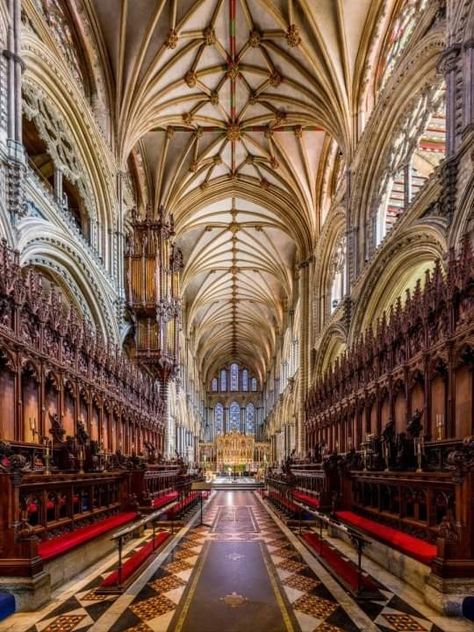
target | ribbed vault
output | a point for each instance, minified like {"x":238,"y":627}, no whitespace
{"x":225,"y":109}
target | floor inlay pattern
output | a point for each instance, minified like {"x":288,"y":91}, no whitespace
{"x":300,"y":591}
{"x":391,"y":613}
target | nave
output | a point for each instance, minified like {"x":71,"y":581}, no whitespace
{"x":243,"y":569}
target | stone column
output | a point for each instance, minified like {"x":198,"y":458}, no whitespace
{"x":15,"y":66}
{"x":58,"y":186}
{"x":303,"y":369}
{"x":164,"y":391}
{"x":117,"y":249}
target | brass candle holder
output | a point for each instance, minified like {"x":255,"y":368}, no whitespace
{"x":419,"y":453}
{"x":386,"y":456}
{"x":47,"y":459}
{"x":81,"y":460}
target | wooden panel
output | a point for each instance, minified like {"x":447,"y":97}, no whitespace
{"x":7,"y":399}
{"x":464,"y":396}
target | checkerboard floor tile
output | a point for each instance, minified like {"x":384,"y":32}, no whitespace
{"x":153,"y":607}
{"x":312,"y":605}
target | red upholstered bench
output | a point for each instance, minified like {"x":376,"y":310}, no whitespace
{"x":284,"y":502}
{"x":183,"y":504}
{"x":343,"y":568}
{"x":413,"y":547}
{"x":306,"y":499}
{"x":134,"y":562}
{"x":161,"y":501}
{"x":49,"y":549}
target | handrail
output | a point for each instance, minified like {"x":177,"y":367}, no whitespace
{"x":350,"y":531}
{"x":358,"y":540}
{"x":139,"y":523}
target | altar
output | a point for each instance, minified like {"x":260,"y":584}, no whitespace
{"x":234,"y":452}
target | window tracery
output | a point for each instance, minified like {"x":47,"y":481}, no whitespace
{"x":338,"y":267}
{"x":223,"y":380}
{"x":250,"y":418}
{"x":234,"y":377}
{"x":234,"y":417}
{"x":61,"y":147}
{"x":417,"y":148}
{"x":400,"y":33}
{"x":219,"y":419}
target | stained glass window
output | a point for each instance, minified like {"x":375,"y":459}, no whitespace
{"x":219,"y":418}
{"x":250,"y":414}
{"x":223,"y":380}
{"x":234,"y":377}
{"x":245,"y":380}
{"x":234,"y":417}
{"x":254,"y":384}
{"x":214,"y":385}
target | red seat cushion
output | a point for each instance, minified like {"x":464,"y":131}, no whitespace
{"x":342,"y":567}
{"x":183,"y":503}
{"x":134,"y":562}
{"x":161,"y":501}
{"x":413,"y":547}
{"x":50,"y":549}
{"x":306,"y":499}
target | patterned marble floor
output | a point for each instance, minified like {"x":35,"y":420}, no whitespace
{"x":165,"y":594}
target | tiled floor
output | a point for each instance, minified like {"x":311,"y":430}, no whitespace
{"x":309,"y":598}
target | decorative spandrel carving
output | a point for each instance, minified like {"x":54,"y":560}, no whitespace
{"x":13,"y":463}
{"x":461,"y":460}
{"x":447,"y":528}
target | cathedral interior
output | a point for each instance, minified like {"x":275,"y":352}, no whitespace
{"x":237,"y":315}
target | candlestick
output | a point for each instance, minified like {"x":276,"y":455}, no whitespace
{"x":386,"y":455}
{"x":418,"y":454}
{"x":47,"y":459}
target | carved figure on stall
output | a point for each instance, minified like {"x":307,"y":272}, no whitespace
{"x":95,"y":452}
{"x":388,"y":441}
{"x":151,"y":450}
{"x":404,"y":452}
{"x":351,"y":460}
{"x":118,"y":460}
{"x":70,"y":453}
{"x":375,"y":450}
{"x":81,"y":433}
{"x":57,"y":431}
{"x":415,"y":426}
{"x":287,"y":473}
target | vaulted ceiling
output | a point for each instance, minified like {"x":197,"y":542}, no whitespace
{"x":229,"y":108}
